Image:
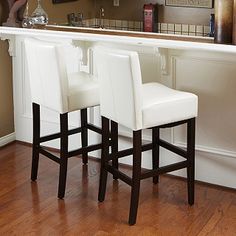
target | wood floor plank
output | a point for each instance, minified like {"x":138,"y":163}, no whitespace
{"x":28,"y":208}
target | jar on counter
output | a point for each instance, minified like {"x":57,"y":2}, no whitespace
{"x":39,"y":16}
{"x":223,"y":21}
{"x":234,"y":23}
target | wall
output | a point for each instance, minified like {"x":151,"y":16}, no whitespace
{"x":58,"y":12}
{"x":6,"y":103}
{"x":132,"y":10}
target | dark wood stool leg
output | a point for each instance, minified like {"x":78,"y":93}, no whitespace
{"x":36,"y":141}
{"x":155,"y":152}
{"x":63,"y":155}
{"x":104,"y":158}
{"x":84,"y":133}
{"x":191,"y":159}
{"x":114,"y":145}
{"x":135,"y":188}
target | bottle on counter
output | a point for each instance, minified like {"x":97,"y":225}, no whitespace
{"x":212,"y":25}
{"x":223,"y":21}
{"x":234,"y":23}
{"x":39,"y":16}
{"x":27,"y":21}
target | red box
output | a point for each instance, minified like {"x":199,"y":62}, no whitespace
{"x":150,"y":17}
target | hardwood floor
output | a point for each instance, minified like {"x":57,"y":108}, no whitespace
{"x":33,"y":208}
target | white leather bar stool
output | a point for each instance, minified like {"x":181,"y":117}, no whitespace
{"x":126,"y":101}
{"x":54,"y":88}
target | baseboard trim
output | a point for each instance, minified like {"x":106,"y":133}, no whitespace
{"x":7,"y":139}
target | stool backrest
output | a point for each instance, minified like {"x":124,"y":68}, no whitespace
{"x":47,"y":74}
{"x":119,"y":75}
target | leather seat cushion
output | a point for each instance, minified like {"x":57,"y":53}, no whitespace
{"x":163,"y":105}
{"x":83,"y":91}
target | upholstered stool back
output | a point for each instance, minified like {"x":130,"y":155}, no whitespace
{"x":47,"y":74}
{"x":120,"y":86}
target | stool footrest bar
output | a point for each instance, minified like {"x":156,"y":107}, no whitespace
{"x":94,"y":128}
{"x":173,"y":148}
{"x":87,"y":149}
{"x":58,"y":135}
{"x":49,"y":155}
{"x":164,"y":169}
{"x":74,"y":131}
{"x":119,"y":174}
{"x":127,"y":152}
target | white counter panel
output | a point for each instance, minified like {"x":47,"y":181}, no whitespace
{"x":205,"y":69}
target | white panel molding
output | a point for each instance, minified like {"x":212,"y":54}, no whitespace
{"x":163,"y":53}
{"x":193,"y":56}
{"x":173,"y":71}
{"x":23,"y":78}
{"x":203,"y":148}
{"x":7,"y":139}
{"x":199,"y":148}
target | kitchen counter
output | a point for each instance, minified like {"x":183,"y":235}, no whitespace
{"x":193,"y":64}
{"x":139,"y":38}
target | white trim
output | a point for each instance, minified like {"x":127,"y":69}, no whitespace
{"x":7,"y":139}
{"x":7,"y":32}
{"x":211,"y":150}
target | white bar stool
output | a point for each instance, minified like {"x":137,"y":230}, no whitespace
{"x":126,"y":101}
{"x":52,"y":87}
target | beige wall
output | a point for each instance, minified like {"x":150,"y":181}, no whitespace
{"x":132,"y":10}
{"x":58,"y":12}
{"x":6,"y":104}
{"x":6,"y":107}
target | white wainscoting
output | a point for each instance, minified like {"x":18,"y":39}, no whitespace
{"x":210,"y":75}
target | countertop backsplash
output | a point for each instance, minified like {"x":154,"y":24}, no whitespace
{"x":166,"y":28}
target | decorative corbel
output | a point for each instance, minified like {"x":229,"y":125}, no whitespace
{"x":11,"y":43}
{"x":85,"y":63}
{"x":163,"y":53}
